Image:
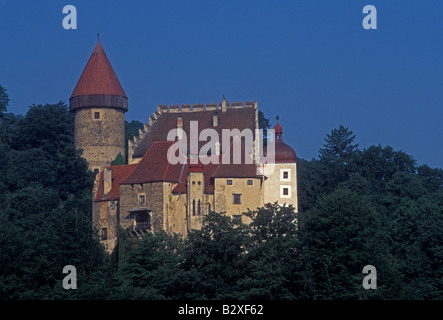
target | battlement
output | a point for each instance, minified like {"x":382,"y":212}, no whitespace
{"x":204,"y":107}
{"x":175,"y":108}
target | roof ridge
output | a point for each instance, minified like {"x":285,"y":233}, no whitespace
{"x":98,"y":76}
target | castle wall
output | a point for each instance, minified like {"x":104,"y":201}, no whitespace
{"x":276,"y":182}
{"x":105,"y":216}
{"x":250,"y":196}
{"x":101,"y":139}
{"x":155,"y":199}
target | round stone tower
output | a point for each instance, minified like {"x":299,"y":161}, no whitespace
{"x":99,"y":104}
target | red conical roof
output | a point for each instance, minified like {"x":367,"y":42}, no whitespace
{"x":98,"y":77}
{"x":278,"y":128}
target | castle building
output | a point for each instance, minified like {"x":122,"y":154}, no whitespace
{"x":153,"y":193}
{"x":99,"y":104}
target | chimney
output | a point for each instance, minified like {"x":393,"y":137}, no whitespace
{"x":215,"y":120}
{"x":107,"y":181}
{"x":180,"y":128}
{"x":224,"y":104}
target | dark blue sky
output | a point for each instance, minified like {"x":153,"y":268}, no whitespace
{"x":311,"y":62}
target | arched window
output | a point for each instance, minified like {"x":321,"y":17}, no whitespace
{"x":199,"y":207}
{"x":209,"y":207}
{"x":193,"y":207}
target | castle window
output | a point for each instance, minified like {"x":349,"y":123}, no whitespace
{"x":285,"y":191}
{"x":250,"y":182}
{"x":193,"y":207}
{"x":142,"y":221}
{"x":209,"y":207}
{"x":97,"y":115}
{"x":229,"y":182}
{"x":141,"y":198}
{"x":104,"y":233}
{"x":236,"y":198}
{"x":199,"y":207}
{"x":285,"y":175}
{"x":112,"y":206}
{"x":236,"y":219}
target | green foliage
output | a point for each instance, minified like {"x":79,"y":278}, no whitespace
{"x":269,"y":274}
{"x":339,"y":145}
{"x":356,"y":207}
{"x":338,"y":237}
{"x":213,"y":255}
{"x":131,"y":130}
{"x":46,"y":209}
{"x":4,"y":100}
{"x":119,"y":160}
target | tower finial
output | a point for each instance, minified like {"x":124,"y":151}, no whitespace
{"x":277,"y":117}
{"x":98,"y":37}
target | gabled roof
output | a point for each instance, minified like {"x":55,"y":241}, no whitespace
{"x":207,"y":170}
{"x":119,"y":173}
{"x":240,"y":119}
{"x":229,"y":169}
{"x":154,"y":166}
{"x":98,"y":77}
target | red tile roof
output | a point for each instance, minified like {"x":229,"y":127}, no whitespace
{"x":207,"y":169}
{"x":119,"y":173}
{"x":228,"y":169}
{"x":230,"y":119}
{"x":98,"y":77}
{"x":154,"y":166}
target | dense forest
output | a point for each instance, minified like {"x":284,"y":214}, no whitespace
{"x":372,"y":206}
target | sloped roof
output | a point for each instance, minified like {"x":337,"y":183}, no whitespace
{"x":119,"y":173}
{"x":239,"y":118}
{"x":98,"y":77}
{"x":229,"y":169}
{"x":154,"y":166}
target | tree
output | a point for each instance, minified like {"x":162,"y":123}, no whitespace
{"x":379,"y":164}
{"x":339,"y":145}
{"x":119,"y":160}
{"x":338,"y":237}
{"x":151,"y":269}
{"x":271,"y":260}
{"x":46,"y":210}
{"x":4,"y":101}
{"x":263,"y":123}
{"x":213,"y":257}
{"x":131,"y":130}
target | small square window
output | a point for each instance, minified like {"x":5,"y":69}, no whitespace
{"x":285,"y":175}
{"x":250,"y":182}
{"x":104,"y":234}
{"x":229,"y":182}
{"x":285,"y":191}
{"x":236,"y":198}
{"x":112,"y":205}
{"x":141,"y":198}
{"x":97,"y":115}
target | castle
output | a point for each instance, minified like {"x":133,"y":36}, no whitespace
{"x":150,"y":193}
